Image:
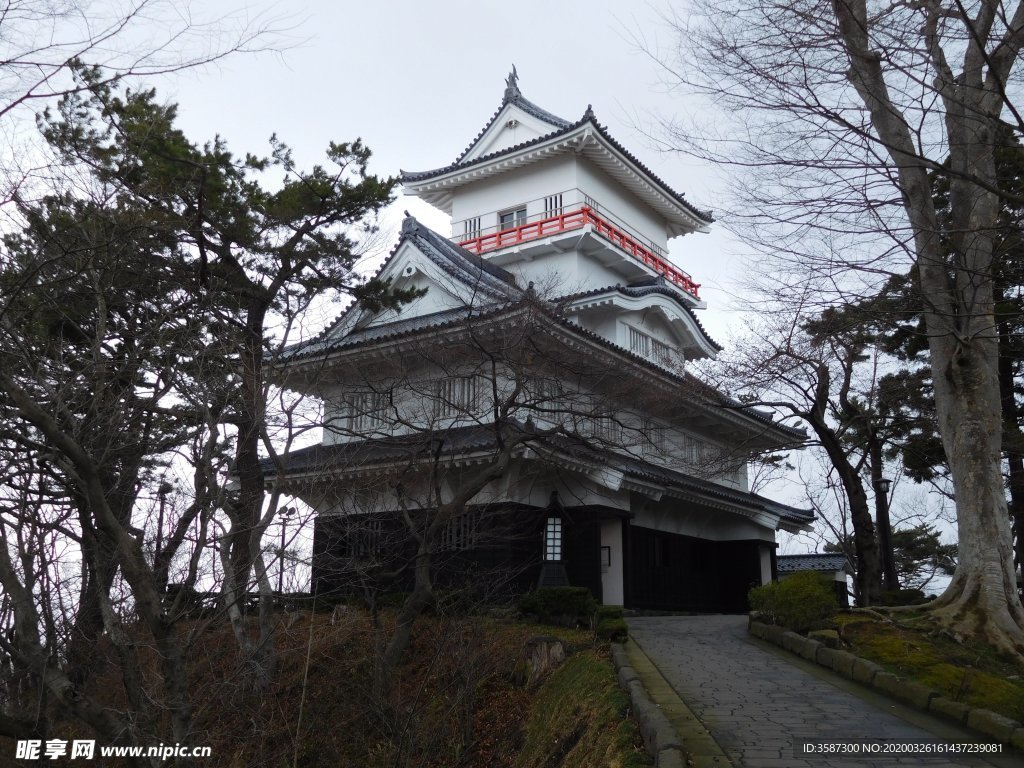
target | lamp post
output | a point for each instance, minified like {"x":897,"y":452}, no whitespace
{"x":882,"y":485}
{"x":286,"y":513}
{"x":161,"y":492}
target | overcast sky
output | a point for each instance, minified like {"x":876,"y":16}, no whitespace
{"x":418,"y":80}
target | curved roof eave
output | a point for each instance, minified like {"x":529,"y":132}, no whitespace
{"x":704,"y":339}
{"x":438,"y":182}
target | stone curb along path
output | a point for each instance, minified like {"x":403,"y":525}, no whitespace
{"x":983,"y":722}
{"x":671,"y":732}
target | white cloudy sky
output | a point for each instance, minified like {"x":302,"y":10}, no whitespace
{"x":417,"y":81}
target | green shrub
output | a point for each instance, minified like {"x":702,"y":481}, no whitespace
{"x":612,"y":629}
{"x":800,"y":602}
{"x":557,"y":604}
{"x":608,"y":612}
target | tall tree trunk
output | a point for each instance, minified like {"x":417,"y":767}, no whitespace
{"x":414,"y":605}
{"x":957,"y":291}
{"x":867,"y":578}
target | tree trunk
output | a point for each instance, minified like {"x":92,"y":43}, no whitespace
{"x":957,"y":290}
{"x":867,"y":579}
{"x":1013,"y":438}
{"x":414,"y":605}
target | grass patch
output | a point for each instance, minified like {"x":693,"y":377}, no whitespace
{"x":975,"y":675}
{"x":580,"y":719}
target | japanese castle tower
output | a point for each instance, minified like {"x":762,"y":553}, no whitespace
{"x":529,"y":418}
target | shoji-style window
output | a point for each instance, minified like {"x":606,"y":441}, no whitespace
{"x":553,"y":539}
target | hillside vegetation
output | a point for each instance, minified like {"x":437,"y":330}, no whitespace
{"x":458,"y":702}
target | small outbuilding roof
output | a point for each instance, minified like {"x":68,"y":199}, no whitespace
{"x":811,"y":562}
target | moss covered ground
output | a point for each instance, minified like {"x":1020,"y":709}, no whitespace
{"x":579,"y":719}
{"x":972,"y":673}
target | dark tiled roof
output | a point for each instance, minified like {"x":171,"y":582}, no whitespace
{"x":384,"y":450}
{"x":432,"y":322}
{"x":814,"y":562}
{"x":455,"y":260}
{"x":474,"y":438}
{"x":588,"y":117}
{"x":666,"y":476}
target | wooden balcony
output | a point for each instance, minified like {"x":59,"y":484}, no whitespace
{"x":578,"y":218}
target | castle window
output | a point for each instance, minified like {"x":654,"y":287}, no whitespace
{"x":460,"y":533}
{"x":511,"y":219}
{"x":639,"y":342}
{"x":648,"y":347}
{"x":366,"y":411}
{"x":656,"y":435}
{"x":605,"y":427}
{"x":458,"y":396}
{"x":553,"y":206}
{"x":661,"y":352}
{"x":471,"y":228}
{"x":361,"y":538}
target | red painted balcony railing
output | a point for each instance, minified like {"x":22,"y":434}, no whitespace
{"x":576,"y":219}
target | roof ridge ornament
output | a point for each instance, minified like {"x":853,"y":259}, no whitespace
{"x":589,"y":114}
{"x":512,"y":91}
{"x":409,"y":224}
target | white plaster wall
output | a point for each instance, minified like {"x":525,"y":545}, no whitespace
{"x":528,"y":184}
{"x":412,"y":397}
{"x":555,"y":273}
{"x":766,"y":565}
{"x":612,"y":587}
{"x":501,"y":136}
{"x":622,"y":204}
{"x":601,"y":320}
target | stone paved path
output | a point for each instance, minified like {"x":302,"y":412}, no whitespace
{"x":756,"y":703}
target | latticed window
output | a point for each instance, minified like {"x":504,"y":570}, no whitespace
{"x":645,"y":345}
{"x":362,"y":537}
{"x":471,"y":228}
{"x":698,"y":451}
{"x":639,"y":342}
{"x":662,"y":352}
{"x":553,"y":539}
{"x":460,"y":533}
{"x":553,"y":205}
{"x":458,"y":396}
{"x":366,"y":411}
{"x":605,"y":427}
{"x":656,"y":435}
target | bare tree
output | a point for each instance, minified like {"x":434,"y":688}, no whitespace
{"x":818,"y":380}
{"x":842,"y":112}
